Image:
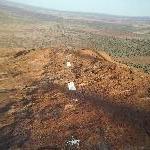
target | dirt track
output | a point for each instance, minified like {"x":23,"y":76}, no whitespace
{"x":109,"y":110}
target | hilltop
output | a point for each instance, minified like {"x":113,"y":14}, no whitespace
{"x":110,"y":65}
{"x":109,"y":110}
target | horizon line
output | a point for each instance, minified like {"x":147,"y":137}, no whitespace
{"x":84,"y":12}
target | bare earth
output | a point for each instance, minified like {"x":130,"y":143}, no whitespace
{"x":109,"y":110}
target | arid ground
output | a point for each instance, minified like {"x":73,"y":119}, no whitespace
{"x":110,"y":65}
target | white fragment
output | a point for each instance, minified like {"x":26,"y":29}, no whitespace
{"x":68,"y":64}
{"x":76,"y":100}
{"x":71,"y":86}
{"x":73,"y":142}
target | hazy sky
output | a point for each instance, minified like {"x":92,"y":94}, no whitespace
{"x":116,"y":7}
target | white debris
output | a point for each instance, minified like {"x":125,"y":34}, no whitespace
{"x":71,"y":86}
{"x":68,"y":64}
{"x":76,"y":100}
{"x":73,"y":142}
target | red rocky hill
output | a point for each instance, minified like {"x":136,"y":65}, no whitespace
{"x":110,"y":108}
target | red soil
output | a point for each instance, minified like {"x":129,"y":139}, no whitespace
{"x":112,"y":110}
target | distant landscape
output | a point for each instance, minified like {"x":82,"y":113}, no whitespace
{"x":125,"y":38}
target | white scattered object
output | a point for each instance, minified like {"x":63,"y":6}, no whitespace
{"x":71,"y":86}
{"x":68,"y":64}
{"x":76,"y":100}
{"x":73,"y":142}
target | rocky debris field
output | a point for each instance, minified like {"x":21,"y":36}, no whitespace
{"x":110,"y":108}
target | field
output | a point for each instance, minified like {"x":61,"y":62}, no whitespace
{"x":37,"y":28}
